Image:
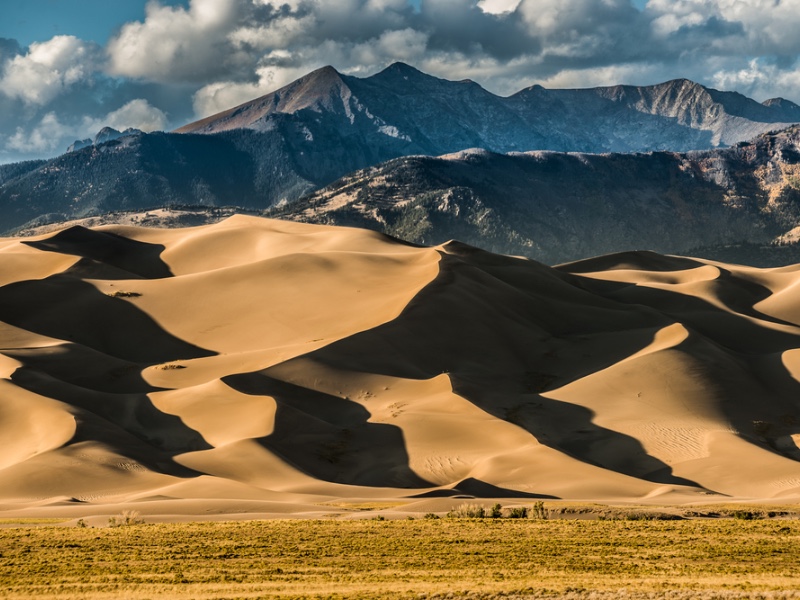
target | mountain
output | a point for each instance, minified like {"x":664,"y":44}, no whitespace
{"x":306,"y":135}
{"x":142,"y":171}
{"x":557,"y":207}
{"x":436,"y":116}
{"x":737,"y":204}
{"x":106,"y":134}
{"x":11,"y":171}
{"x":400,"y":110}
{"x":266,"y":364}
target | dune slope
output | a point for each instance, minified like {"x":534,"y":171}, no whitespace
{"x":273,"y":361}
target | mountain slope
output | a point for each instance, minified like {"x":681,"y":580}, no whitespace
{"x":141,"y":171}
{"x":262,"y":360}
{"x":740,"y":204}
{"x":556,"y":207}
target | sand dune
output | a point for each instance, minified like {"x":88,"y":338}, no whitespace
{"x":271,"y":365}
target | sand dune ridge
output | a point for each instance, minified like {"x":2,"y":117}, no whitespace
{"x":274,"y":361}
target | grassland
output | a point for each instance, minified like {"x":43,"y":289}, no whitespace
{"x":420,"y":558}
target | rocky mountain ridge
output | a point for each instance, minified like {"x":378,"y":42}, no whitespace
{"x":435,"y":116}
{"x":106,"y":134}
{"x":558,"y":207}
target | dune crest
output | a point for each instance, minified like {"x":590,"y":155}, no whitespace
{"x":265,"y":361}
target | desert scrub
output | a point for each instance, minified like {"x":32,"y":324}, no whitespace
{"x":518,"y":512}
{"x":529,"y":558}
{"x":123,"y":294}
{"x":467,"y":511}
{"x":125,"y":519}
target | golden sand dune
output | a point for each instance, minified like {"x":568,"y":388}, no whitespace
{"x":274,"y":362}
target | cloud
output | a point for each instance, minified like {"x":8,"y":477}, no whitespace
{"x":175,"y":43}
{"x":758,"y":26}
{"x":136,"y":114}
{"x":498,"y":7}
{"x":234,"y":50}
{"x":48,"y":69}
{"x":45,"y":137}
{"x":760,"y":79}
{"x":52,"y":134}
{"x":219,"y":96}
{"x":281,"y":67}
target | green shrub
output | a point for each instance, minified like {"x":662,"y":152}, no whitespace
{"x":745,"y":515}
{"x":518,"y":512}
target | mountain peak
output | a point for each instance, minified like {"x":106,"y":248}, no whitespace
{"x":400,"y":71}
{"x":781,"y":103}
{"x":324,"y":73}
{"x":401,"y":68}
{"x":682,"y":81}
{"x":311,"y":90}
{"x":785,"y":109}
{"x":106,"y":134}
{"x":682,"y":84}
{"x":308,"y":90}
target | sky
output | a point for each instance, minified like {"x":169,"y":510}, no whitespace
{"x":70,"y":67}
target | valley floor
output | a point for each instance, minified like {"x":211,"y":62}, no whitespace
{"x":419,"y":558}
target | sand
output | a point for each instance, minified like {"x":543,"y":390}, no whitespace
{"x":266,"y":368}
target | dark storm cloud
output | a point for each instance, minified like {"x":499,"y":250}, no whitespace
{"x":471,"y":31}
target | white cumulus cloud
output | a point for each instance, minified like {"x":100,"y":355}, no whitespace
{"x":48,"y":69}
{"x":175,"y":43}
{"x":136,"y":114}
{"x":498,"y":7}
{"x":52,"y":134}
{"x":46,"y":136}
{"x":760,"y":80}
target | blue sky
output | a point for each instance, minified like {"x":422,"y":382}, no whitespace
{"x":69,"y":67}
{"x":92,"y":20}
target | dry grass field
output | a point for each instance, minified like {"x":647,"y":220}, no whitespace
{"x":413,"y":558}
